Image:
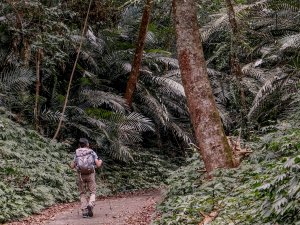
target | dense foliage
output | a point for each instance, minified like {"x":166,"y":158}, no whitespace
{"x":149,"y":170}
{"x":263,"y":190}
{"x":45,"y":44}
{"x":33,"y":172}
{"x":140,"y":145}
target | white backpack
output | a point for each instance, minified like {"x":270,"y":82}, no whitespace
{"x":85,"y":161}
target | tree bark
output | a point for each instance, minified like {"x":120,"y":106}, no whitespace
{"x":234,"y":60}
{"x":212,"y":142}
{"x":135,"y":71}
{"x":37,"y":89}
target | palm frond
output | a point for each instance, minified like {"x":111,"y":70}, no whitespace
{"x":158,"y":112}
{"x":80,"y":127}
{"x":95,"y":122}
{"x":119,"y":151}
{"x":137,"y":122}
{"x":98,"y":98}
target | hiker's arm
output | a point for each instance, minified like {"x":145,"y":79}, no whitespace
{"x":72,"y":165}
{"x":98,"y":163}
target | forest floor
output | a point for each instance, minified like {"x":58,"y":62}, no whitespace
{"x":137,"y":208}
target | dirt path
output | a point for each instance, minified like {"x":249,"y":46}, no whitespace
{"x":133,"y":209}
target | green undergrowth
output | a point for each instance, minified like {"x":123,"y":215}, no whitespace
{"x":149,"y":170}
{"x":264,"y":190}
{"x":33,"y":174}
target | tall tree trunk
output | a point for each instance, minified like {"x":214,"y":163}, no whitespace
{"x":135,"y":71}
{"x":212,"y":141}
{"x":72,"y":73}
{"x":37,"y":89}
{"x":234,"y":60}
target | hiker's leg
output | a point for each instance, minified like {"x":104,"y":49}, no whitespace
{"x":91,"y":184}
{"x":82,"y":191}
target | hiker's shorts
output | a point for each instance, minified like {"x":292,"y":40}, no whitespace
{"x":87,"y":185}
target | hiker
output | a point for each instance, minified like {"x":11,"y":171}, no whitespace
{"x":85,"y":162}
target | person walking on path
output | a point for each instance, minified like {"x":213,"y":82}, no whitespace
{"x":85,"y":162}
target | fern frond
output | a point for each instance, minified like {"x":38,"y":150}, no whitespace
{"x":251,"y":85}
{"x":290,"y":42}
{"x":90,"y":60}
{"x":225,"y":116}
{"x":170,"y":63}
{"x":15,"y":79}
{"x":271,"y":86}
{"x":217,"y":25}
{"x":98,"y":44}
{"x":175,"y":73}
{"x":51,"y":116}
{"x":166,"y":85}
{"x":179,"y":132}
{"x":251,"y":71}
{"x":179,"y":107}
{"x":96,"y":122}
{"x":151,"y":39}
{"x":214,"y":73}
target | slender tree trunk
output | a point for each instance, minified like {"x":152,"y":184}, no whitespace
{"x":234,"y":60}
{"x":135,"y":71}
{"x":209,"y":132}
{"x":19,"y":23}
{"x":37,"y":89}
{"x":72,"y":74}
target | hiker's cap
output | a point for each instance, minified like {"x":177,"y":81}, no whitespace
{"x":83,"y":141}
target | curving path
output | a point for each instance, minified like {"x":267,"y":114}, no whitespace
{"x":134,"y":209}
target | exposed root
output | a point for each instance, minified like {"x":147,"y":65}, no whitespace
{"x":238,"y":152}
{"x":208,"y":218}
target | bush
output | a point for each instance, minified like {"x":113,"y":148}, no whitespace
{"x":32,"y":172}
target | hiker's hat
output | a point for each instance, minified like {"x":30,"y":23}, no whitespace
{"x":83,"y":141}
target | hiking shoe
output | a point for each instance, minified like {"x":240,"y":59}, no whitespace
{"x":85,"y":213}
{"x":90,"y":210}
